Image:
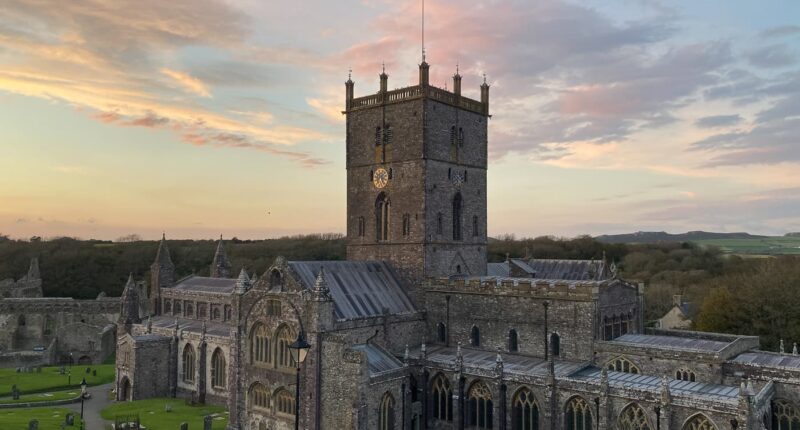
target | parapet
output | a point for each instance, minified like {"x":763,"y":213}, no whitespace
{"x":544,"y":288}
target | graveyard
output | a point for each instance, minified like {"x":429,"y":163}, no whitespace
{"x":168,"y":414}
{"x":52,"y":379}
{"x":45,"y":418}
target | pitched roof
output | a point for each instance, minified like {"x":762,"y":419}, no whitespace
{"x":379,"y":361}
{"x":202,"y":284}
{"x":359,"y":289}
{"x":570,"y":270}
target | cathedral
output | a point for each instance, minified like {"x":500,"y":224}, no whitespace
{"x":415,"y":330}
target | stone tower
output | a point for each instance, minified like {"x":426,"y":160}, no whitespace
{"x":220,"y":266}
{"x":162,"y":274}
{"x":129,"y":312}
{"x":416,"y":177}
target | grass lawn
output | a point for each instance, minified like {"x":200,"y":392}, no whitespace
{"x":41,"y":397}
{"x":50,"y":380}
{"x":49,"y":418}
{"x":152,"y":415}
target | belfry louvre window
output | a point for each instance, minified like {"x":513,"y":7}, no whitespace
{"x":578,"y":415}
{"x":284,"y":403}
{"x":259,"y":397}
{"x":479,"y":406}
{"x":189,"y":360}
{"x":382,"y":214}
{"x":442,"y":398}
{"x":633,"y":418}
{"x":453,"y":136}
{"x":218,"y":369}
{"x":475,"y":231}
{"x":699,"y":422}
{"x":460,"y":136}
{"x":260,"y":345}
{"x":282,"y":356}
{"x":525,"y":411}
{"x":378,"y":136}
{"x":785,"y":416}
{"x":622,"y":364}
{"x":387,"y":413}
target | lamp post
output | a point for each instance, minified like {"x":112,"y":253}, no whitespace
{"x":83,"y":395}
{"x":299,"y":350}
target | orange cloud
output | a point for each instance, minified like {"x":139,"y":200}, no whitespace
{"x":190,"y":83}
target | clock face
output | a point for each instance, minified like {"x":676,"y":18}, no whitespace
{"x":381,"y":178}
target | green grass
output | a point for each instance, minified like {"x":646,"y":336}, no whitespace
{"x":51,"y":380}
{"x":152,"y":415}
{"x":777,"y":245}
{"x":43,"y":397}
{"x":49,"y":418}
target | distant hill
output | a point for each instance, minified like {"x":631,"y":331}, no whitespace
{"x":662,"y":236}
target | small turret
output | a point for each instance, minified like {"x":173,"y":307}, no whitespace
{"x":384,"y":80}
{"x":129,"y":312}
{"x":162,"y":274}
{"x":457,"y":83}
{"x":424,"y":73}
{"x":485,"y":95}
{"x":348,"y":91}
{"x":321,"y":290}
{"x":220,"y":266}
{"x":243,"y":283}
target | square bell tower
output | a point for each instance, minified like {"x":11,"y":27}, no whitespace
{"x":416,"y":178}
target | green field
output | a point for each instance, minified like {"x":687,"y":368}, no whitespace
{"x":51,"y":380}
{"x":47,"y":396}
{"x":49,"y":418}
{"x":778,"y":245}
{"x":152,"y":415}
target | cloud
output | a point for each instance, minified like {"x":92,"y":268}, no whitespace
{"x":772,"y":56}
{"x":718,"y":121}
{"x":190,"y":83}
{"x":781,"y":31}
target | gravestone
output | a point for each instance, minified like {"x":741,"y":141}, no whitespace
{"x":33,"y":425}
{"x":15,"y":392}
{"x":62,"y":371}
{"x":70,"y":419}
{"x":88,"y":370}
{"x":94,"y":372}
{"x":207,"y":421}
{"x":184,"y":426}
{"x":38,"y":369}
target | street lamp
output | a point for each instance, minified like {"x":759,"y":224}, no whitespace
{"x":83,"y":395}
{"x":299,"y":350}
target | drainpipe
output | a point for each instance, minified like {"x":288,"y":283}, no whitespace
{"x":546,"y":346}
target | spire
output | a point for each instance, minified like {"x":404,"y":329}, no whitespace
{"x":130,"y":302}
{"x":162,"y":255}
{"x":220,"y":266}
{"x":321,"y":290}
{"x":33,"y":270}
{"x":243,"y":283}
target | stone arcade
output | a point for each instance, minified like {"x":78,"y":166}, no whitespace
{"x":416,"y":331}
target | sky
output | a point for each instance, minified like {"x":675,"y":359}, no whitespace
{"x":202,"y":117}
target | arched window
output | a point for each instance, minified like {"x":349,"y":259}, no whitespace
{"x":453,"y":136}
{"x":479,"y":406}
{"x":284,"y":403}
{"x":555,"y":345}
{"x":475,"y":336}
{"x":387,"y":413}
{"x":361,"y":226}
{"x":525,"y":411}
{"x":406,"y":224}
{"x":441,"y":333}
{"x":284,"y":338}
{"x":622,"y":364}
{"x":442,"y":398}
{"x":616,"y":331}
{"x":382,"y":217}
{"x":633,"y":417}
{"x":189,"y":310}
{"x":513,"y":341}
{"x":215,"y":313}
{"x":475,"y":230}
{"x":167,"y":306}
{"x":457,"y":217}
{"x":177,"y":308}
{"x":578,"y":415}
{"x":275,"y":279}
{"x":608,"y":328}
{"x":785,"y":416}
{"x":189,"y":363}
{"x":699,"y":422}
{"x":439,"y":223}
{"x":49,"y":323}
{"x":687,"y":375}
{"x":259,"y":396}
{"x":218,"y":369}
{"x":260,"y":345}
{"x":202,"y":311}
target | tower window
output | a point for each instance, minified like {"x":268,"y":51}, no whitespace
{"x":361,"y":226}
{"x":378,"y":136}
{"x":475,"y":231}
{"x":439,"y":223}
{"x":441,"y":333}
{"x":457,"y":217}
{"x":555,"y":345}
{"x":513,"y":341}
{"x":465,"y":176}
{"x":449,"y":173}
{"x":382,"y":217}
{"x":371,"y":175}
{"x":406,"y":225}
{"x":453,"y":136}
{"x":390,"y":173}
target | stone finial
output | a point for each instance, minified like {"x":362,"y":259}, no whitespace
{"x":459,"y":357}
{"x":665,"y":394}
{"x":254,"y":278}
{"x":321,"y":290}
{"x":149,"y":325}
{"x":176,"y":328}
{"x":498,"y":365}
{"x":751,"y":391}
{"x":742,"y":389}
{"x":243,"y":282}
{"x":781,"y":347}
{"x":406,"y":355}
{"x":203,"y":330}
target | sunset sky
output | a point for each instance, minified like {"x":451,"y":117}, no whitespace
{"x":201,"y":117}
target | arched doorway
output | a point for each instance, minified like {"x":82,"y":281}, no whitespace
{"x":125,"y":392}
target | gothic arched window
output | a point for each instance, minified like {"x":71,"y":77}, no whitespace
{"x":457,"y":203}
{"x":555,"y":344}
{"x":578,"y":415}
{"x":284,"y":403}
{"x":406,"y":224}
{"x":219,"y":369}
{"x":633,"y":417}
{"x":189,"y":360}
{"x":177,"y":308}
{"x":214,"y":313}
{"x":622,"y":364}
{"x":259,"y":345}
{"x":361,"y":226}
{"x":441,"y":333}
{"x":167,"y":306}
{"x":386,"y":417}
{"x":382,"y":217}
{"x":687,"y":375}
{"x":475,"y":230}
{"x":275,"y":279}
{"x":189,"y":310}
{"x":259,"y":396}
{"x":513,"y":341}
{"x":284,"y":338}
{"x":475,"y":336}
{"x":785,"y":416}
{"x":442,"y":398}
{"x":479,"y":406}
{"x":525,"y":411}
{"x":699,"y":422}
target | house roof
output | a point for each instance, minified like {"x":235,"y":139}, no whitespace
{"x":359,"y":289}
